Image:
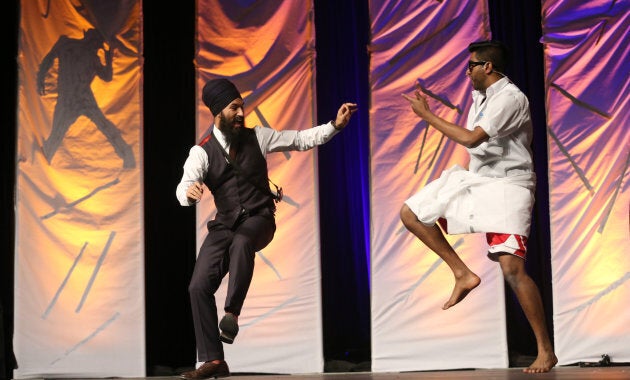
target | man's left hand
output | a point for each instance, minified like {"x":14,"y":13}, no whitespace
{"x":343,"y":115}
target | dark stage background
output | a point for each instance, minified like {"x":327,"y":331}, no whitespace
{"x":342,"y":37}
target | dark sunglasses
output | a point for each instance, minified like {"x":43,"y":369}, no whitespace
{"x":472,"y":64}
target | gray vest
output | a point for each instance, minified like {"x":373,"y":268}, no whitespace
{"x":234,"y":193}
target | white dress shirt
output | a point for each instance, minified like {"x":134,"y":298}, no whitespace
{"x":270,"y":140}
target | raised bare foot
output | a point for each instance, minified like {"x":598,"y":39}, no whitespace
{"x":543,"y":363}
{"x":463,"y":286}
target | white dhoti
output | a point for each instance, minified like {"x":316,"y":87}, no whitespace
{"x":472,"y":203}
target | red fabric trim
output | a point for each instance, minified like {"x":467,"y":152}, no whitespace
{"x":494,"y":239}
{"x":206,"y":139}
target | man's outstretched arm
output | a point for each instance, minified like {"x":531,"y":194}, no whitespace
{"x":271,"y":140}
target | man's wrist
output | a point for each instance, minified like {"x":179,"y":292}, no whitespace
{"x":334,"y":124}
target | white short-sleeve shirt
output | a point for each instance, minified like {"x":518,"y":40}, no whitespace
{"x":503,"y":113}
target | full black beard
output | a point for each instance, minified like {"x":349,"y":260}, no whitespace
{"x":232,"y":135}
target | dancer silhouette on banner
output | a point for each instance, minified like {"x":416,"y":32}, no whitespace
{"x":78,"y":64}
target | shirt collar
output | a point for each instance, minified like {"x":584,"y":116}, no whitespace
{"x":497,"y":86}
{"x":219,"y":136}
{"x":493,"y":89}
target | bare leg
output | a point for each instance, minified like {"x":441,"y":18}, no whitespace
{"x":432,"y":237}
{"x":529,"y":297}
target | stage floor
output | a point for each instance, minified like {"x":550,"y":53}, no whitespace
{"x":562,"y":373}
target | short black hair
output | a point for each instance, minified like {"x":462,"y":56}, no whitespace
{"x":492,"y":51}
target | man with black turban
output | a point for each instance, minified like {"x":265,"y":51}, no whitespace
{"x":231,"y":162}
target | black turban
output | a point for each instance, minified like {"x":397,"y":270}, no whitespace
{"x":218,"y":93}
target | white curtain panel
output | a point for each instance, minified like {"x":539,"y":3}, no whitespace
{"x":267,"y":49}
{"x":79,"y":268}
{"x":587,"y":66}
{"x":422,"y":43}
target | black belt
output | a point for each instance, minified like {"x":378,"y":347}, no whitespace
{"x":264,"y":211}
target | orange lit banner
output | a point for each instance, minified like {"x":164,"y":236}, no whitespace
{"x":267,"y":49}
{"x":587,"y":62}
{"x":79,"y":272}
{"x":422,"y":43}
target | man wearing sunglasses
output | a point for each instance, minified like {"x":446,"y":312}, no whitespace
{"x":494,"y":196}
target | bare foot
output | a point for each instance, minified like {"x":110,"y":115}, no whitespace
{"x":543,"y":363}
{"x":463,"y":286}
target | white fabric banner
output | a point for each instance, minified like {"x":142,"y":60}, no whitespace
{"x":267,"y":49}
{"x":587,"y":64}
{"x":79,"y":269}
{"x":420,"y":43}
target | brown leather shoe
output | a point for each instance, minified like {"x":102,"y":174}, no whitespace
{"x":207,"y":371}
